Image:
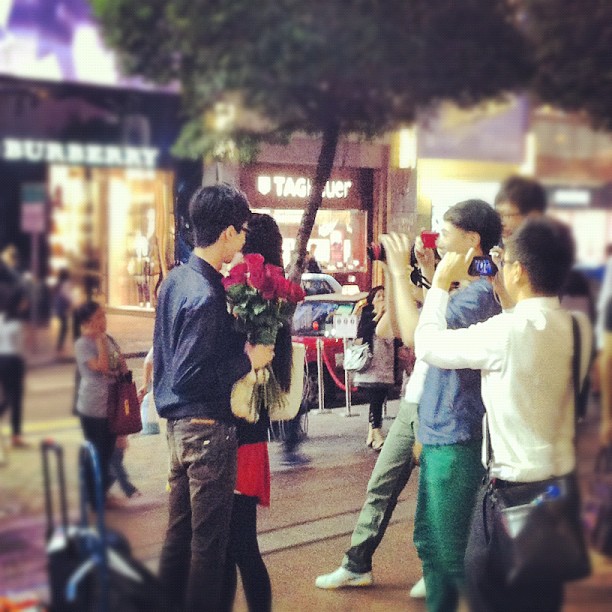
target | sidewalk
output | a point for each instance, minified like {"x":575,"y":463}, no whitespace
{"x":303,"y":534}
{"x":133,"y":331}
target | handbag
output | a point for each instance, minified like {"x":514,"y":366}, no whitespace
{"x":123,"y":407}
{"x":598,"y":508}
{"x":288,"y":407}
{"x":537,"y":531}
{"x":357,"y":357}
{"x":536,"y":526}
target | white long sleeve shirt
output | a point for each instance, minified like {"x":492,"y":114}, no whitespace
{"x":525,"y":357}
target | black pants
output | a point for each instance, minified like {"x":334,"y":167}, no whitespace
{"x":377,"y":396}
{"x":63,"y":331}
{"x":97,"y":432}
{"x":243,"y":552}
{"x":486,"y":591}
{"x":12,"y":374}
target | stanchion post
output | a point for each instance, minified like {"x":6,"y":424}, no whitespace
{"x":320,"y":375}
{"x":347,"y":387}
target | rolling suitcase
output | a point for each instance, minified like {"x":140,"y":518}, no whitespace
{"x":91,"y":569}
{"x":121,"y":583}
{"x":64,"y":549}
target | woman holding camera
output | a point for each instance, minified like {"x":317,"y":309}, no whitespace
{"x":378,"y":377}
{"x":99,"y":362}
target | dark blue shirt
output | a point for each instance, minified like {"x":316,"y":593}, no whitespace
{"x":197,"y":355}
{"x":451,"y":408}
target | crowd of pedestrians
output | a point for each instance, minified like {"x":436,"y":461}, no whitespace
{"x":488,"y":404}
{"x":473,"y":359}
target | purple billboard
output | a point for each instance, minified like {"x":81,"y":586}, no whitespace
{"x":58,"y":40}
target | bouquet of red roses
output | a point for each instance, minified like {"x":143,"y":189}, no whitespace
{"x":262,"y":300}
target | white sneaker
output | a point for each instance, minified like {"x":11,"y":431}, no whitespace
{"x":418,"y":590}
{"x":343,"y":578}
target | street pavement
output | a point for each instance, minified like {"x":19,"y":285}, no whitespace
{"x":305,"y":531}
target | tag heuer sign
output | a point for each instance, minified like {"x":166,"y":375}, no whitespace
{"x":283,"y":186}
{"x":272,"y":185}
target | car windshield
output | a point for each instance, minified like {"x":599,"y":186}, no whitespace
{"x":316,"y":287}
{"x":311,"y":318}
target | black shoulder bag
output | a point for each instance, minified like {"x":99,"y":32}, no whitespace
{"x":536,"y":528}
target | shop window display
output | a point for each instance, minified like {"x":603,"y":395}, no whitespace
{"x":339,"y":236}
{"x":119,"y":219}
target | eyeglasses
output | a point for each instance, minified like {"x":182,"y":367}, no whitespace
{"x":505,"y":262}
{"x":510,"y":215}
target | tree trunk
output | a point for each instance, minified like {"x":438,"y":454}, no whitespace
{"x":323,"y":172}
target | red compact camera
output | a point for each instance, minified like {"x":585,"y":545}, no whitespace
{"x":429,"y":239}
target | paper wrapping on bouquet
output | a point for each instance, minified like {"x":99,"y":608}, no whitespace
{"x":260,"y":387}
{"x":244,"y":398}
{"x":123,"y":407}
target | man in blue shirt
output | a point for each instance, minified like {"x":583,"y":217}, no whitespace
{"x":197,"y":358}
{"x":450,"y":418}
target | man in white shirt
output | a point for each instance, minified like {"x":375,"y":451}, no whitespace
{"x":525,"y":357}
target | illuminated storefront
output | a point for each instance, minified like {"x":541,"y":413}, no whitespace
{"x":107,"y":210}
{"x":95,"y":144}
{"x":111,"y":227}
{"x":340,"y":232}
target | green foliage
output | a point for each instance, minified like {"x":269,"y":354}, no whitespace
{"x":572,"y":45}
{"x":364,"y":66}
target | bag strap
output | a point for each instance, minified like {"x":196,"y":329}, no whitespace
{"x":576,"y":364}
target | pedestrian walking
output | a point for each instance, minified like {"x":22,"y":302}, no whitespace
{"x":119,"y":473}
{"x":12,"y":362}
{"x":62,"y":306}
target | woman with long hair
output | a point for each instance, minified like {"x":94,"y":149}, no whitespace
{"x":253,"y":474}
{"x":379,"y":375}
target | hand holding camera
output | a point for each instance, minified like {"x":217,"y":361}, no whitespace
{"x":396,"y":248}
{"x":453,"y":267}
{"x":425,"y":256}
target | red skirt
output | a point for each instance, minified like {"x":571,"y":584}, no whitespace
{"x":253,"y":476}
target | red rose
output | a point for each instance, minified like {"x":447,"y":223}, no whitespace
{"x":296,"y":293}
{"x":256,"y":270}
{"x":274,"y":279}
{"x":237,"y":276}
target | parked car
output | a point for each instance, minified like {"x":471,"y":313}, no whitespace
{"x":317,"y":284}
{"x":313,"y":319}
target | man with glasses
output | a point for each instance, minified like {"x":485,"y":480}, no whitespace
{"x":197,"y":358}
{"x":518,"y":199}
{"x":525,"y":362}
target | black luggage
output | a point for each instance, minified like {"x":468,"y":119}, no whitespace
{"x":65,"y":553}
{"x":598,"y":506}
{"x":91,"y":569}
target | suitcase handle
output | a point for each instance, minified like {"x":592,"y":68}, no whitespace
{"x":96,"y":542}
{"x":49,"y":447}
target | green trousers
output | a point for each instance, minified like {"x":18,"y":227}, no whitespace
{"x":448,"y":483}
